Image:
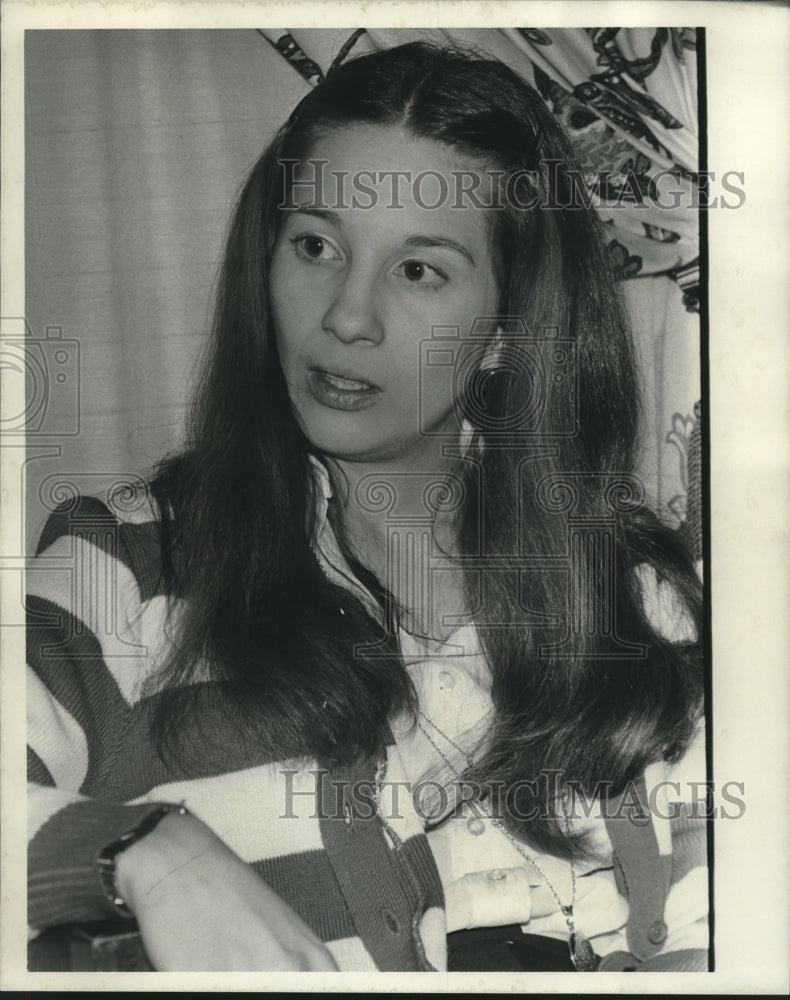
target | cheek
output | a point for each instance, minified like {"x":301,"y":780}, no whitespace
{"x":440,"y":382}
{"x":436,"y":396}
{"x":279,"y":297}
{"x":290,"y":309}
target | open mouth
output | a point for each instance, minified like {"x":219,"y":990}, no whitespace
{"x":341,"y":392}
{"x":345,"y":383}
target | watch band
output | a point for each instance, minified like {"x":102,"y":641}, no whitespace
{"x":108,"y":855}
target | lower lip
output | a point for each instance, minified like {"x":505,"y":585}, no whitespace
{"x":329,"y":394}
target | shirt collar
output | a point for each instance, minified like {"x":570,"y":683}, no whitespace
{"x":323,"y":493}
{"x":326,"y":547}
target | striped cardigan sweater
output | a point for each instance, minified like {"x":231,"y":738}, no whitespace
{"x":362,"y":876}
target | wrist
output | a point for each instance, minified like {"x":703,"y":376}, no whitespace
{"x":115,"y":867}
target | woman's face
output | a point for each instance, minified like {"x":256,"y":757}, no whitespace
{"x":356,"y":290}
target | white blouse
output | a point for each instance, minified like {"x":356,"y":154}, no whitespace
{"x":486,"y":879}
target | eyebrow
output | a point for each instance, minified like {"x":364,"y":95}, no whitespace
{"x":440,"y":241}
{"x":411,"y":241}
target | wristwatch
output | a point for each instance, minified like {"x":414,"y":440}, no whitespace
{"x":107,"y":857}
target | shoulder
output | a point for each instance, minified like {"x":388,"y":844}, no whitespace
{"x":125,"y":524}
{"x":98,"y":598}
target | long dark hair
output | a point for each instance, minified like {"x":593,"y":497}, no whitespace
{"x":265,"y":620}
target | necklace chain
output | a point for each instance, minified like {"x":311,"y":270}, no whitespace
{"x":582,"y":954}
{"x":566,"y":909}
{"x":443,"y":734}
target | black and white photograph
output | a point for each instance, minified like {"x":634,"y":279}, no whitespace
{"x":366,"y":383}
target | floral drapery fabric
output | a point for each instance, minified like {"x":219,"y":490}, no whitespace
{"x":628,"y":100}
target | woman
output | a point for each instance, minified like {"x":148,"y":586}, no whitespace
{"x":404,"y":551}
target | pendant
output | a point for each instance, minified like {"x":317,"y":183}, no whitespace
{"x":582,"y":955}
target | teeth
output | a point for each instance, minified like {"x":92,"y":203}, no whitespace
{"x":344,"y":383}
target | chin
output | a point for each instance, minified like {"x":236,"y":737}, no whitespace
{"x":360,"y":436}
{"x":339,"y":443}
{"x":350,"y":451}
{"x":354,"y":447}
{"x":337,"y":434}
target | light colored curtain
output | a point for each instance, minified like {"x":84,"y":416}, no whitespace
{"x":137,"y":141}
{"x":136,"y":144}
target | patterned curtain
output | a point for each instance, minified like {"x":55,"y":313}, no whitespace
{"x":628,"y":99}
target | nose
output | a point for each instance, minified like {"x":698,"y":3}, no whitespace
{"x":353,"y":313}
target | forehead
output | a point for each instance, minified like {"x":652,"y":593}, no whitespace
{"x":383,"y":176}
{"x":381,"y":147}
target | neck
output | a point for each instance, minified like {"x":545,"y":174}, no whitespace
{"x":374,"y":493}
{"x":389,"y":516}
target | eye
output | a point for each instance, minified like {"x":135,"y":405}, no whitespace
{"x":417,"y":272}
{"x":314,"y":248}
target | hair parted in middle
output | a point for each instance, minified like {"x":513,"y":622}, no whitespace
{"x":259,"y":611}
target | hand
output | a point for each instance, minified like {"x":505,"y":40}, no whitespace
{"x":201,"y":908}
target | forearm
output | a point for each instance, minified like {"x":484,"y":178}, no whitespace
{"x":64,"y":883}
